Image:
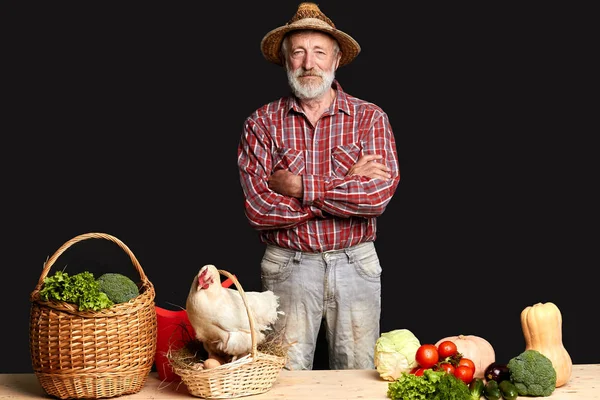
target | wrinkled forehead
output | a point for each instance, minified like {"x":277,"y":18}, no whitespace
{"x":312,"y":36}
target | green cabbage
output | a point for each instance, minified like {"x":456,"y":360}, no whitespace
{"x":395,"y":353}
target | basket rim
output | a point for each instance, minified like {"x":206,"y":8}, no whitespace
{"x":145,"y":298}
{"x":247,"y":359}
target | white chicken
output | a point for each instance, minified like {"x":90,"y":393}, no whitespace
{"x":220,"y":319}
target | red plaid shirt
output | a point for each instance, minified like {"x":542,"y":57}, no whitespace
{"x":337,"y":210}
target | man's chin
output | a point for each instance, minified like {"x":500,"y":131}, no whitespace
{"x":308,"y":88}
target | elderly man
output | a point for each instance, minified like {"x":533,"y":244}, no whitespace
{"x":317,"y":168}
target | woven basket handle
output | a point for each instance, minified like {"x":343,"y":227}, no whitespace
{"x":93,"y":235}
{"x":248,"y":310}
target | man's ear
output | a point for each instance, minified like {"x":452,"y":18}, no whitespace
{"x":337,"y":62}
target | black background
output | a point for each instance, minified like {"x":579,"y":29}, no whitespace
{"x":124,"y":118}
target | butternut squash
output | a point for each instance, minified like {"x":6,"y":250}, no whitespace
{"x":542,"y":330}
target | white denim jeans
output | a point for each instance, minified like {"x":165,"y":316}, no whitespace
{"x":341,"y":288}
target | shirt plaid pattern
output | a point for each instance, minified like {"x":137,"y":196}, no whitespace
{"x":337,"y":211}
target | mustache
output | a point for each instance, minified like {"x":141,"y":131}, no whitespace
{"x":302,"y":73}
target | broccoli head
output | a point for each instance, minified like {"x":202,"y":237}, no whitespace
{"x":119,"y":288}
{"x":532,"y":373}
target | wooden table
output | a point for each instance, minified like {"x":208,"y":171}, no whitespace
{"x":319,"y":384}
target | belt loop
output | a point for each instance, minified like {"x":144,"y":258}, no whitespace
{"x":298,"y":256}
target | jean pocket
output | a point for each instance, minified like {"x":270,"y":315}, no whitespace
{"x":368,"y":267}
{"x":276,"y":266}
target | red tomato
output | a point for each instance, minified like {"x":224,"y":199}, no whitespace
{"x":418,"y":371}
{"x":449,"y":368}
{"x":464,"y":373}
{"x":427,"y":355}
{"x":447,"y":349}
{"x":467,"y":362}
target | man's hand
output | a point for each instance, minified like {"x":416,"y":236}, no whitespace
{"x":286,"y":183}
{"x":368,"y":166}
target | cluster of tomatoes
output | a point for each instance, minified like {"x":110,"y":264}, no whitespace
{"x":444,"y":357}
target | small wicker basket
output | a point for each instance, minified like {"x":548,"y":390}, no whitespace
{"x":249,"y":375}
{"x":92,"y":354}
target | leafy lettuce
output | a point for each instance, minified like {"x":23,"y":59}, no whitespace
{"x":432,"y":385}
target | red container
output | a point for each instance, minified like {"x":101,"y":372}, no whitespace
{"x":173,"y":331}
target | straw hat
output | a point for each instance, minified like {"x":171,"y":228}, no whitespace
{"x":308,"y":16}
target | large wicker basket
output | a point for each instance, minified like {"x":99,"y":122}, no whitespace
{"x":252,"y":374}
{"x":92,"y":354}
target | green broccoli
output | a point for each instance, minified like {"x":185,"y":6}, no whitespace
{"x":532,"y":373}
{"x":117,"y":287}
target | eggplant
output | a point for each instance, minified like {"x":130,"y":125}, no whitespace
{"x":497,"y":372}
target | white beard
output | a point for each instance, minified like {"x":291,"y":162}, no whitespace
{"x":310,"y":91}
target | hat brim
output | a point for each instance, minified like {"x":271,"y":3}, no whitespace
{"x":271,"y":42}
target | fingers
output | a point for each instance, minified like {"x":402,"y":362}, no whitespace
{"x":369,"y":167}
{"x":377,"y":173}
{"x":368,"y":158}
{"x":373,"y":168}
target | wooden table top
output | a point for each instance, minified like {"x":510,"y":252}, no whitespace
{"x":318,"y":384}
